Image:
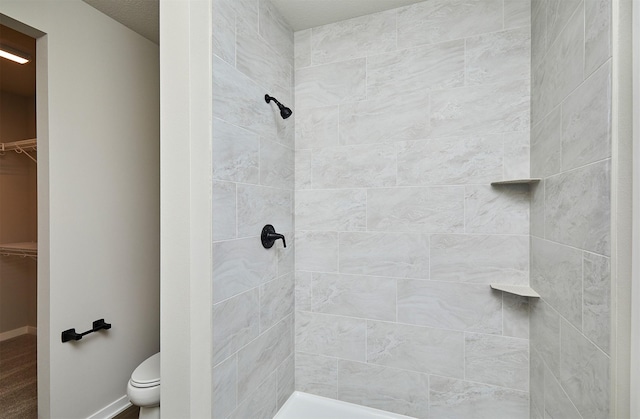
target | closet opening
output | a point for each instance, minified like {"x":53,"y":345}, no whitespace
{"x":18,"y":226}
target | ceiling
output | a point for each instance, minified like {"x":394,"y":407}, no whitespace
{"x":142,"y":15}
{"x":305,"y":14}
{"x":16,"y":78}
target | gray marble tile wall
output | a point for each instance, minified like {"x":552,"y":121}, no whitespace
{"x":403,"y":119}
{"x":253,"y":181}
{"x":570,"y":209}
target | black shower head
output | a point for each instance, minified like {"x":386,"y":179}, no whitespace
{"x":284,"y":111}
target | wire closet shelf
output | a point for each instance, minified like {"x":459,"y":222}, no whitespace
{"x":21,"y":147}
{"x":25,"y":250}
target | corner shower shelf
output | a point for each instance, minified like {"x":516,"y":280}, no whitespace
{"x":28,"y":249}
{"x":521,"y":290}
{"x":21,"y":147}
{"x":528,"y":181}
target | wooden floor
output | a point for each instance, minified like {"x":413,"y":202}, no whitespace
{"x":18,"y":378}
{"x":131,"y":413}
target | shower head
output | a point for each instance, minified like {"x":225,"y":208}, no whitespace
{"x":284,"y":111}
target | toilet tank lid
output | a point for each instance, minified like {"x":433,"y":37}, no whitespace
{"x":148,"y":372}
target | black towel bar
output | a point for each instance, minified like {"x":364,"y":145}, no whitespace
{"x":71,"y":334}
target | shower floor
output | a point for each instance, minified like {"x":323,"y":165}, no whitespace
{"x":308,"y":406}
{"x":18,"y":378}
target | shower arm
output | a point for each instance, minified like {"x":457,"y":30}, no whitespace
{"x":268,"y":99}
{"x":284,"y":111}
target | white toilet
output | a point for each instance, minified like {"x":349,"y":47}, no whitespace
{"x":144,"y":387}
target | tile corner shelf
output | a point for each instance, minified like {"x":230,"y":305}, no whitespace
{"x":521,"y":290}
{"x":28,"y":249}
{"x":527,"y":181}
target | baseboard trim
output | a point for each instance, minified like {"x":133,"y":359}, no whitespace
{"x":112,"y":409}
{"x":25,"y":330}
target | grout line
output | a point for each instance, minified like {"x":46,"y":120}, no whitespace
{"x":311,"y":277}
{"x":338,"y":252}
{"x":253,"y":134}
{"x":558,"y":36}
{"x":252,"y":237}
{"x":429,"y":262}
{"x":582,"y":292}
{"x":366,"y":81}
{"x":572,"y":247}
{"x":260,"y":152}
{"x":337,"y":378}
{"x":408,"y":233}
{"x":400,"y":50}
{"x":464,"y":213}
{"x":585,"y":337}
{"x":562,"y":100}
{"x":429,"y":395}
{"x":366,"y":210}
{"x":564,"y":172}
{"x":235,"y":40}
{"x":260,"y":335}
{"x":237,"y":381}
{"x":396,"y":153}
{"x":256,"y":288}
{"x":502,"y":311}
{"x":544,"y":208}
{"x":397,"y":305}
{"x":553,"y":376}
{"x":260,"y":296}
{"x":562,"y":317}
{"x":235,"y":189}
{"x":419,"y":326}
{"x":584,"y":39}
{"x":256,"y":185}
{"x":473,"y":382}
{"x":397,"y":33}
{"x":366,"y":341}
{"x":390,"y":277}
{"x":464,"y":354}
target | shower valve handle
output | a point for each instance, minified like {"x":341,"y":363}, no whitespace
{"x":276,"y":236}
{"x":269,"y":236}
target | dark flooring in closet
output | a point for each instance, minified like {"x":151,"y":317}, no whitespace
{"x":18,"y":378}
{"x":131,"y":413}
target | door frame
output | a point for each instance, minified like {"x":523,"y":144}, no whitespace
{"x":42,"y":128}
{"x":634,"y":364}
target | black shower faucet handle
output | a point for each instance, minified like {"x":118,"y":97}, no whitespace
{"x":269,"y":236}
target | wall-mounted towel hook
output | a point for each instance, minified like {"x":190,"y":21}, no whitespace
{"x":71,"y":334}
{"x":269,"y":236}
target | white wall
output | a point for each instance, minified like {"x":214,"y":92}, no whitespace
{"x":186,"y":298}
{"x":624,"y":230}
{"x":98,"y":127}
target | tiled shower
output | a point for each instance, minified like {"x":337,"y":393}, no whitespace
{"x":571,"y":208}
{"x":402,"y":119}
